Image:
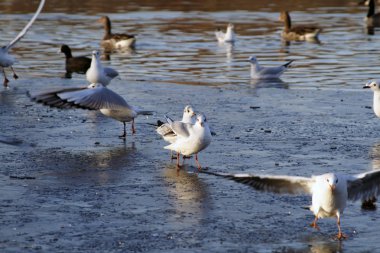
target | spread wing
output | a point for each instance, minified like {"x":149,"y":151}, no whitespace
{"x":276,"y":184}
{"x":86,"y":98}
{"x":23,"y":32}
{"x":364,"y":186}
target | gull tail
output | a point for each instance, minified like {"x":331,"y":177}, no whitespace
{"x":143,"y":112}
{"x":287,"y":65}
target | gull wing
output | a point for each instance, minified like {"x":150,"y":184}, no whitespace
{"x":179,"y":128}
{"x":219,"y":35}
{"x":23,"y":32}
{"x":110,"y":72}
{"x":276,"y":184}
{"x":364,"y":186}
{"x":95,"y":98}
{"x":164,"y":129}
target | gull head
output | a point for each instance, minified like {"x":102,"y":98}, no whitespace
{"x":189,"y":111}
{"x":201,"y":120}
{"x":96,"y":53}
{"x":230,"y":26}
{"x":331,"y":180}
{"x":252,"y":59}
{"x":373,"y":85}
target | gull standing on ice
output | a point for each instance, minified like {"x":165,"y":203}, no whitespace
{"x":93,"y":97}
{"x":374,"y":86}
{"x":330,"y":191}
{"x":7,"y":60}
{"x":167,"y":133}
{"x":259,"y":72}
{"x":228,"y":37}
{"x":191,"y":138}
{"x":99,"y":74}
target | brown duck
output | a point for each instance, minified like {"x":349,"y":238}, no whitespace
{"x":78,"y":64}
{"x":115,"y":40}
{"x":300,"y":32}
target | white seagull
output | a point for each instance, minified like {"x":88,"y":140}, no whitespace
{"x":259,"y":72}
{"x":7,"y":60}
{"x":99,"y":74}
{"x":330,"y":191}
{"x":191,"y":138}
{"x":374,"y":85}
{"x":93,"y":97}
{"x":228,"y":37}
{"x":167,"y":133}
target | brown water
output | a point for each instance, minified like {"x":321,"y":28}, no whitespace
{"x":94,"y":193}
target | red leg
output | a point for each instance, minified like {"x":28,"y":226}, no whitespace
{"x":133,"y":127}
{"x":6,"y":81}
{"x":198,"y":164}
{"x":178,"y":161}
{"x":314,"y":224}
{"x":340,"y":235}
{"x":15,"y":76}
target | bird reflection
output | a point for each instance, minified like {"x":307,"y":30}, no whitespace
{"x":190,"y":195}
{"x":228,"y":48}
{"x":100,"y":167}
{"x":267,"y":83}
{"x":106,"y":56}
{"x":317,"y":245}
{"x":312,"y":41}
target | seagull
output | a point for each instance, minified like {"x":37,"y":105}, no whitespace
{"x":99,"y":74}
{"x":329,"y":191}
{"x":191,"y":138}
{"x":258,"y":72}
{"x":228,"y":37}
{"x":7,"y":60}
{"x":93,"y":97}
{"x":165,"y":130}
{"x":115,"y":40}
{"x":78,"y":64}
{"x":300,"y":32}
{"x":374,"y":85}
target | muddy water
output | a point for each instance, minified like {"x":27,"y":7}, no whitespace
{"x":90,"y":192}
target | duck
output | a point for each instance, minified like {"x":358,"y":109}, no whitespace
{"x":228,"y":36}
{"x":372,"y":19}
{"x":298,"y":33}
{"x":78,"y":64}
{"x":115,"y":40}
{"x":7,"y":60}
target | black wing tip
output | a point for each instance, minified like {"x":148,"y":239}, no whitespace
{"x":287,"y":65}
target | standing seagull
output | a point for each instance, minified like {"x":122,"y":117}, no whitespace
{"x":7,"y":60}
{"x":330,"y":191}
{"x":259,"y":72}
{"x":99,"y":74}
{"x":165,"y":130}
{"x":228,"y":37}
{"x":374,"y":85}
{"x":191,"y":138}
{"x":93,"y":97}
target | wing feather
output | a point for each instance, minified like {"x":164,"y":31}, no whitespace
{"x":364,"y":186}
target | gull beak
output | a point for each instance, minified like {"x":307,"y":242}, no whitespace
{"x":201,"y":124}
{"x":332,"y":187}
{"x":194,"y":114}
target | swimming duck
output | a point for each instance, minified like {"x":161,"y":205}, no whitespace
{"x":301,"y":32}
{"x":115,"y":40}
{"x":372,"y":18}
{"x":78,"y":64}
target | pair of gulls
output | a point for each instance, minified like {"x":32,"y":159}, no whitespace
{"x":188,"y":136}
{"x":258,"y":72}
{"x":95,"y":96}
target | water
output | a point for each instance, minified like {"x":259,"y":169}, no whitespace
{"x":92,"y":191}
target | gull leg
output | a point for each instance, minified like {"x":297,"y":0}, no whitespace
{"x":124,"y":135}
{"x":198,"y":164}
{"x":15,"y":76}
{"x":6,"y":81}
{"x":314,"y":224}
{"x":133,"y":126}
{"x":178,"y":166}
{"x":340,"y":235}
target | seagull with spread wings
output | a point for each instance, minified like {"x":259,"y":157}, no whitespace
{"x":7,"y":60}
{"x":330,"y":191}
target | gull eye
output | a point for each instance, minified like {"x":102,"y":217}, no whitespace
{"x":328,"y":180}
{"x":336,"y":181}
